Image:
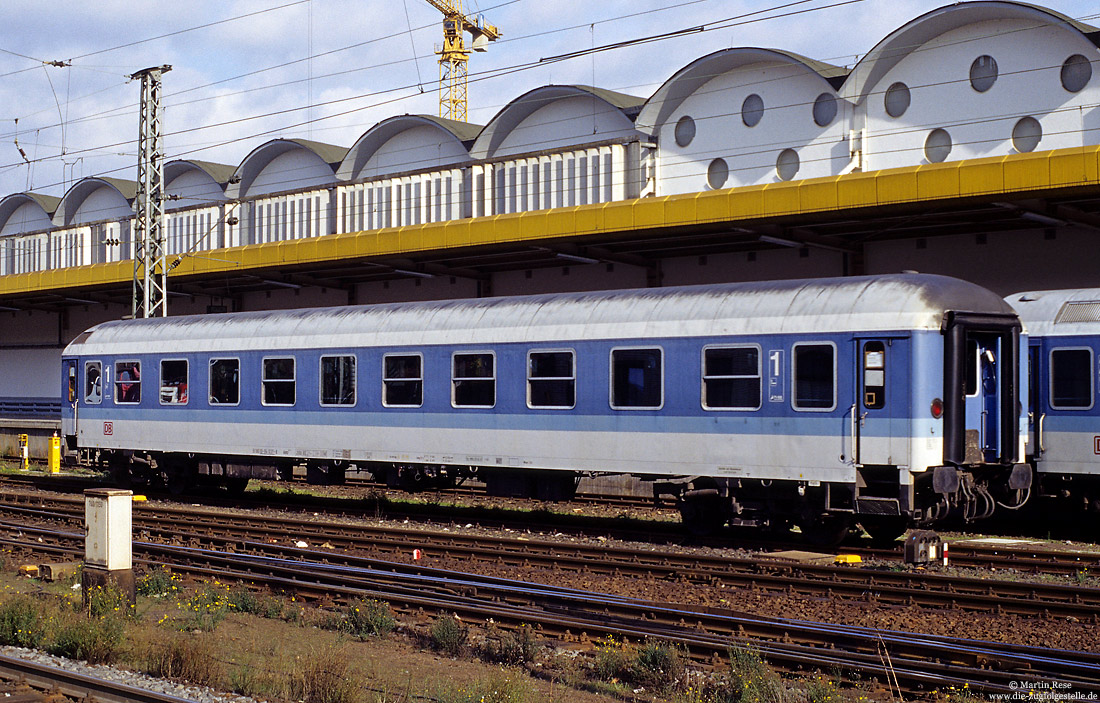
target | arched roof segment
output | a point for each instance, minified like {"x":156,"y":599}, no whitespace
{"x":692,"y":77}
{"x":458,"y":134}
{"x":38,"y":211}
{"x":262,"y":156}
{"x":515,"y":112}
{"x":115,"y":198}
{"x":190,"y":182}
{"x":218,"y":173}
{"x":914,"y":34}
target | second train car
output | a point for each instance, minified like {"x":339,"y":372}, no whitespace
{"x":890,"y":401}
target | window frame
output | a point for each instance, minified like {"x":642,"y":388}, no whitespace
{"x":794,"y":376}
{"x":572,"y":378}
{"x":264,"y":380}
{"x":210,"y":385}
{"x":703,"y":377}
{"x":321,"y":381}
{"x":454,"y":379}
{"x":186,"y":380}
{"x":611,"y":377}
{"x":117,"y":384}
{"x":84,"y":386}
{"x":418,"y":355}
{"x":1092,"y":379}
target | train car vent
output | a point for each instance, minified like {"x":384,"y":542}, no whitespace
{"x":1079,"y":311}
{"x":82,"y":337}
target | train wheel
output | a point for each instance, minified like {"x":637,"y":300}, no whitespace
{"x":826,"y":530}
{"x":884,"y":531}
{"x":236,"y":485}
{"x":703,"y":515}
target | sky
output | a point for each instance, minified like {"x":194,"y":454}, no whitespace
{"x":249,"y":71}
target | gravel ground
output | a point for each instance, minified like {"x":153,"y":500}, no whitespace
{"x":187,"y":692}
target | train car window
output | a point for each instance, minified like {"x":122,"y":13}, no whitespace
{"x":128,"y":382}
{"x":551,"y":379}
{"x":1071,"y":381}
{"x":636,"y":379}
{"x":278,"y":381}
{"x":225,"y":381}
{"x":337,"y":380}
{"x":173,"y":382}
{"x":402,"y":381}
{"x":970,"y":380}
{"x":874,"y":375}
{"x":473,"y":381}
{"x":93,"y":382}
{"x":731,"y":378}
{"x":814,"y":376}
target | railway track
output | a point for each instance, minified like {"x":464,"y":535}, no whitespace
{"x":27,"y":681}
{"x":916,"y":662}
{"x":225,"y":531}
{"x":1016,"y":555}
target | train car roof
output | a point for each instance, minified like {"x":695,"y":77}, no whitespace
{"x":866,"y":303}
{"x":1047,"y":313}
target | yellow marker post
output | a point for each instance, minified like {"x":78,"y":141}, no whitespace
{"x":24,"y":440}
{"x":55,"y":454}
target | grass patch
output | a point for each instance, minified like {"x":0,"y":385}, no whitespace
{"x":22,"y":622}
{"x":449,"y":636}
{"x":368,"y":618}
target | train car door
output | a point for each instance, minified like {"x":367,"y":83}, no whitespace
{"x":1036,"y":413}
{"x":72,"y":394}
{"x":881,"y":438}
{"x":982,"y":398}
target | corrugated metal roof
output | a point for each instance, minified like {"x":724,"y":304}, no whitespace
{"x":897,"y":302}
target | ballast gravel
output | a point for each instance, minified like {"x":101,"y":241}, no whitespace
{"x":187,"y":692}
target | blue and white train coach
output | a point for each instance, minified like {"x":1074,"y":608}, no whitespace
{"x":887,"y":400}
{"x":1063,"y":344}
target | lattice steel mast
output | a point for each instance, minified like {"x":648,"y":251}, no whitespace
{"x":150,"y":272}
{"x":454,"y":54}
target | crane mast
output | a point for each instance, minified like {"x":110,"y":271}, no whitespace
{"x":454,"y":54}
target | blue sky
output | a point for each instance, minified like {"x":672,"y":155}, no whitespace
{"x":252,"y":70}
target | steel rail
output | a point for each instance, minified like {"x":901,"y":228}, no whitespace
{"x":905,"y":588}
{"x":707,"y":633}
{"x":79,"y":687}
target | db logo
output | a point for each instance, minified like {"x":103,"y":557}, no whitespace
{"x":109,"y":429}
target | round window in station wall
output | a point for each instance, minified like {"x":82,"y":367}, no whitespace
{"x":786,"y":165}
{"x":983,"y":73}
{"x":897,"y":99}
{"x":717,"y":173}
{"x":825,"y":109}
{"x":937,"y":147}
{"x":685,"y":130}
{"x":1026,"y":134}
{"x":752,"y":110}
{"x":1076,"y":73}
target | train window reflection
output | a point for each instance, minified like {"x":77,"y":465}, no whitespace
{"x":173,"y":382}
{"x":473,"y":381}
{"x":551,"y":379}
{"x":402,"y":381}
{"x":278,"y":381}
{"x":636,"y":378}
{"x":1071,"y":379}
{"x":814,"y":376}
{"x":731,"y":378}
{"x":93,"y":382}
{"x":128,"y":382}
{"x":225,"y":381}
{"x":337,"y":380}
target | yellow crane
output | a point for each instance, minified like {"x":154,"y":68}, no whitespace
{"x":454,"y":54}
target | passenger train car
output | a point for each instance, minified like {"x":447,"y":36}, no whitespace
{"x":886,"y":400}
{"x":1064,"y":338}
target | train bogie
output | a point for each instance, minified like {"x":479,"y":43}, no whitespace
{"x":886,"y":400}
